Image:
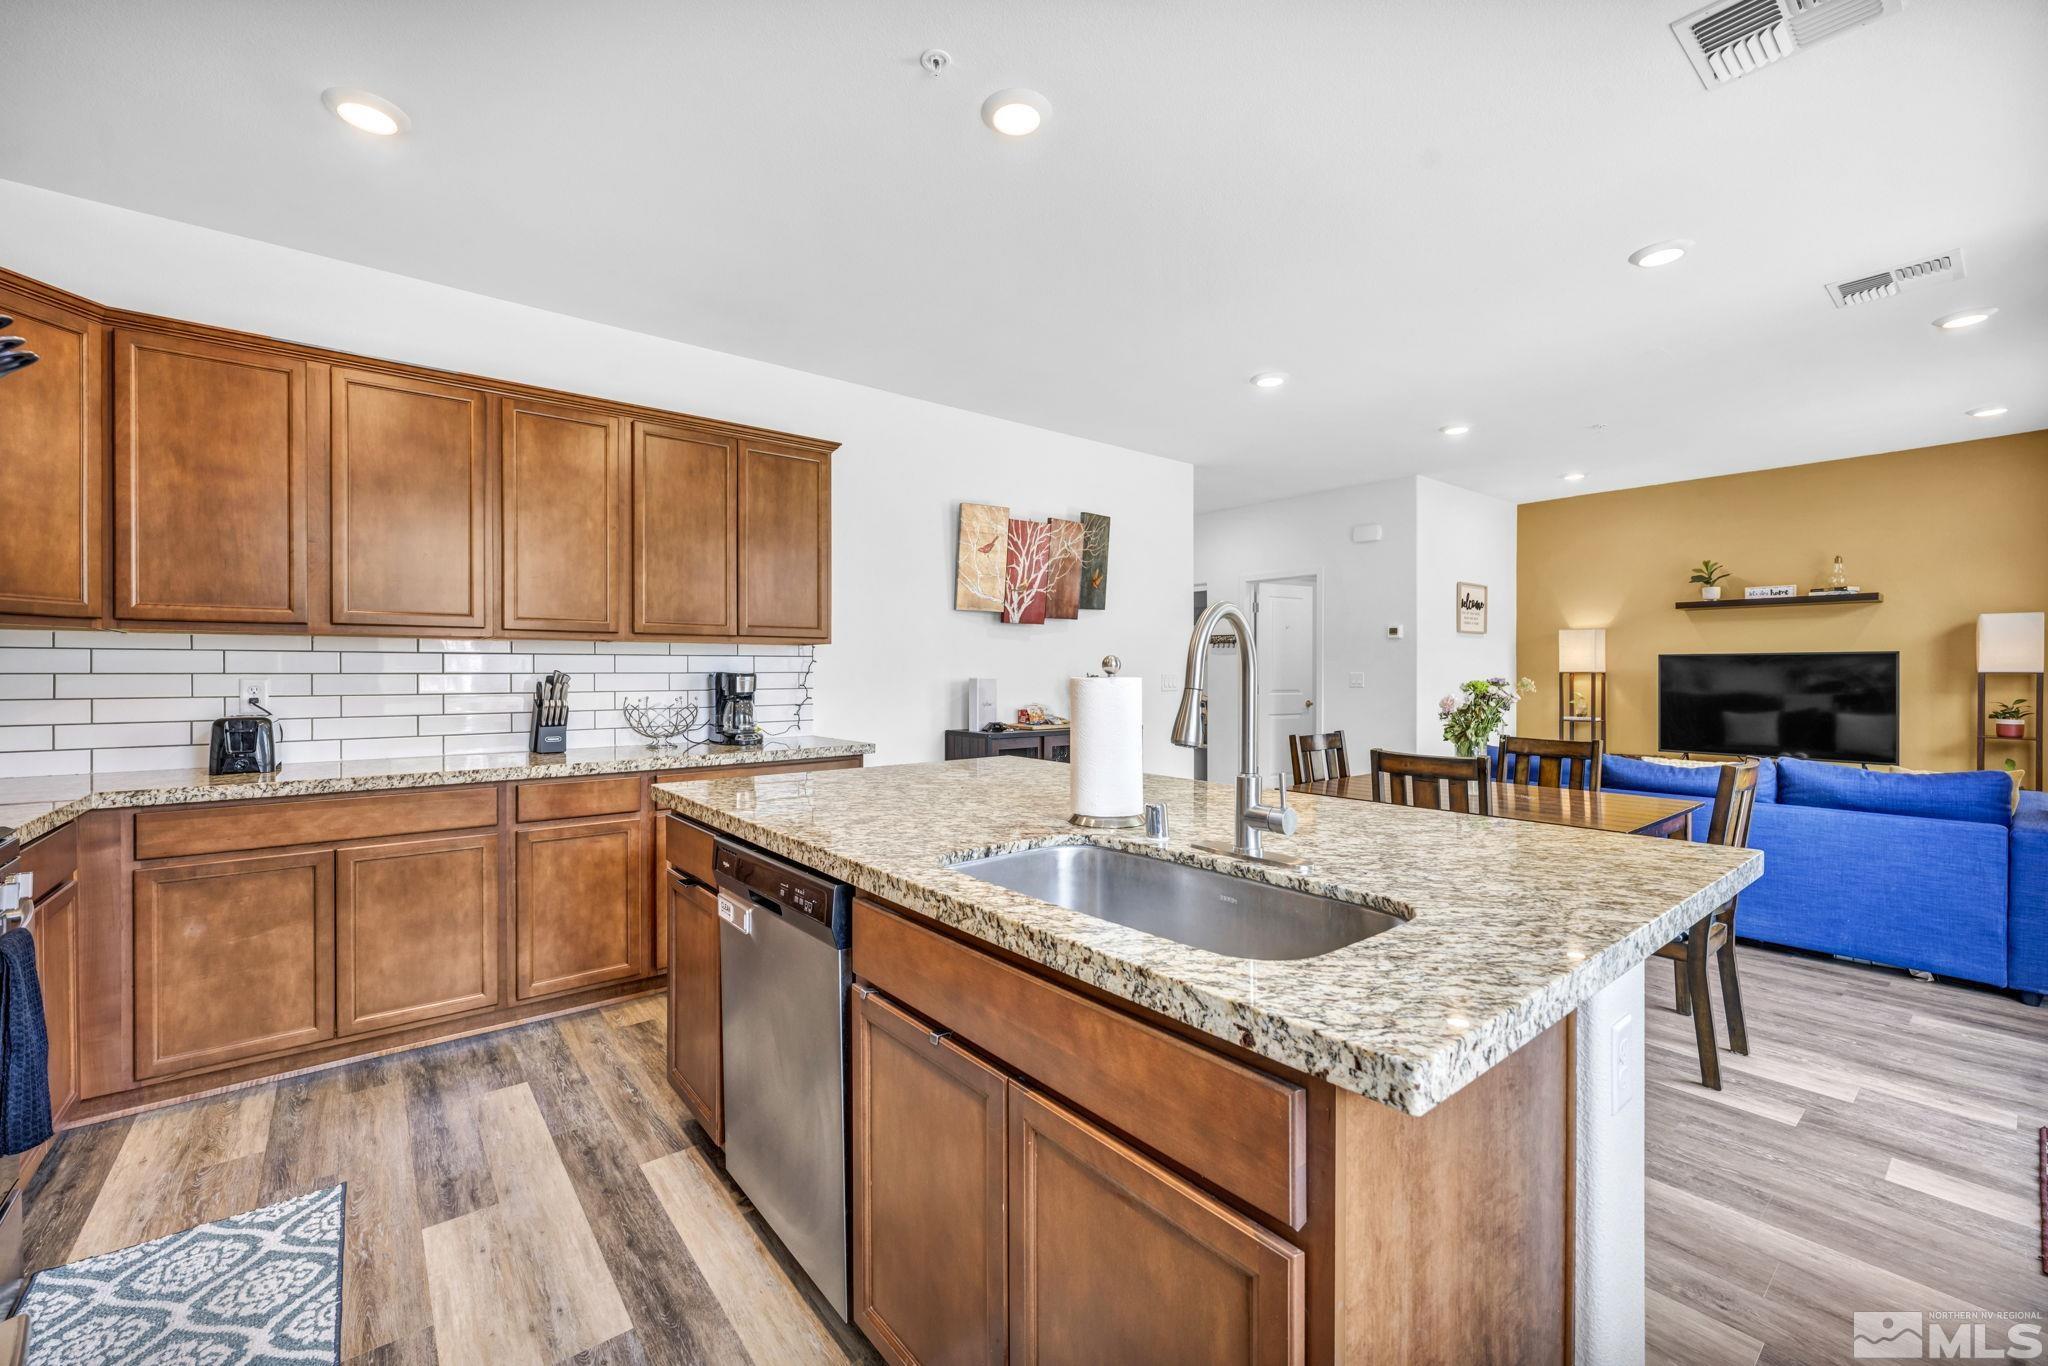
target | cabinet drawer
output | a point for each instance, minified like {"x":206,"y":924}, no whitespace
{"x":53,"y":860}
{"x":269,"y":824}
{"x":689,"y":849}
{"x":561,"y":799}
{"x":1237,"y":1128}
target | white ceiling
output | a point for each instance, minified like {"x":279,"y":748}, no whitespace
{"x":1422,"y":211}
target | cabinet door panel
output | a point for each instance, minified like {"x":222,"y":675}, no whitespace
{"x":785,"y":542}
{"x":930,"y":1193}
{"x":564,"y":518}
{"x":53,"y":461}
{"x":416,"y":931}
{"x":56,"y":937}
{"x":582,"y":905}
{"x":209,"y":482}
{"x":233,"y":958}
{"x":1114,"y":1258}
{"x":696,"y":1065}
{"x":685,"y":526}
{"x":406,"y":503}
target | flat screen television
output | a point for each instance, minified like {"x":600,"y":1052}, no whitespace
{"x":1818,"y":706}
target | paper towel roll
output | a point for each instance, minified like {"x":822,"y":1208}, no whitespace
{"x":1108,"y":756}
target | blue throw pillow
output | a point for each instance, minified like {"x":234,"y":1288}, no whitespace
{"x":1984,"y":798}
{"x":1679,"y":780}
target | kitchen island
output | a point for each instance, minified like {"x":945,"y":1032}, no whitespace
{"x":1409,"y":1148}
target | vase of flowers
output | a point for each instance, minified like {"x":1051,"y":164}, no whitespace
{"x":1478,"y":711}
{"x":1708,"y":576}
{"x":2011,"y":719}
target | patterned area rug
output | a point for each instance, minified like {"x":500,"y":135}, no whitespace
{"x":258,"y":1289}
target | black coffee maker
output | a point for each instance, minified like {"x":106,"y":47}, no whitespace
{"x":732,"y":710}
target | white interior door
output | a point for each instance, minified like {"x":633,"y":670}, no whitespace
{"x":1285,"y":618}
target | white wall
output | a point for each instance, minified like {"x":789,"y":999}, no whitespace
{"x":894,"y":671}
{"x":1433,"y":535}
{"x":1467,"y":537}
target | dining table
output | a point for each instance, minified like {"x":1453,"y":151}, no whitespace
{"x":1623,"y":813}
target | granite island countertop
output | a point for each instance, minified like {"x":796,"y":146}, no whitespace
{"x":1511,"y":925}
{"x":36,"y":806}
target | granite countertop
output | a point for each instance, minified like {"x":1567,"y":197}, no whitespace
{"x":1510,"y":924}
{"x":36,"y":806}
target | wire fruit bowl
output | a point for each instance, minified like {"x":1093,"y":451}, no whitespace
{"x":659,"y":723}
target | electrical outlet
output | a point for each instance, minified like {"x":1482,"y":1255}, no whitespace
{"x":1168,"y":683}
{"x":254,"y":692}
{"x":1396,"y":632}
{"x":1356,"y":680}
{"x":1622,"y":1048}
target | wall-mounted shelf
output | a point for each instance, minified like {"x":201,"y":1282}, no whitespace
{"x":1802,"y":600}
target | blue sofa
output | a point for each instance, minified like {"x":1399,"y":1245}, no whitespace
{"x":1927,"y":871}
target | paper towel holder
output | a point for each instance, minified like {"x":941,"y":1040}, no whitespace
{"x":1111,"y":666}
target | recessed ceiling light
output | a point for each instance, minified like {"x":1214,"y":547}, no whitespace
{"x":1268,"y":379}
{"x":1455,"y":429}
{"x":1985,"y":412}
{"x":1969,"y":317}
{"x":360,"y":109}
{"x":1574,"y":477}
{"x":1015,"y":113}
{"x":1659,"y":253}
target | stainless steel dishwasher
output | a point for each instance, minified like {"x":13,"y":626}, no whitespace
{"x":782,"y":941}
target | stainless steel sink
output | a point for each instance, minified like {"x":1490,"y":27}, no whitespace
{"x":1193,"y":906}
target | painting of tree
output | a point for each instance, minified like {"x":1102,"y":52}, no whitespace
{"x":984,"y":558}
{"x":1094,"y":561}
{"x":1029,"y":577}
{"x":1063,"y":601}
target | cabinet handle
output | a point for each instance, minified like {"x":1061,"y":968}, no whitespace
{"x":939,"y":1036}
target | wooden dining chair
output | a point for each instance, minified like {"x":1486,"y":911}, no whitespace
{"x":1734,"y":801}
{"x":1541,"y":763}
{"x":1306,"y":750}
{"x":1432,"y":780}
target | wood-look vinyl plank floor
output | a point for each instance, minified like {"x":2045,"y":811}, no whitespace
{"x":539,"y":1195}
{"x":1907,"y":1182}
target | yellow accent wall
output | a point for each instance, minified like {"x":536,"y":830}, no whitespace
{"x":1944,"y":533}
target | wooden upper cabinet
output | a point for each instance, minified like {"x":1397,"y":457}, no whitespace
{"x":785,"y":541}
{"x":1115,"y":1258}
{"x":209,"y":482}
{"x":53,"y":452}
{"x":564,"y":517}
{"x":408,"y":463}
{"x":685,"y":531}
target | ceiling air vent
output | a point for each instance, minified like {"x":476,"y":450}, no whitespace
{"x":1730,"y":40}
{"x":1884,"y":284}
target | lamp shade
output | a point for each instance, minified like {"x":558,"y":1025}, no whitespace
{"x":1582,"y":652}
{"x":2010,"y":642}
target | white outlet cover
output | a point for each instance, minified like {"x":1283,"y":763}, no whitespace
{"x":253,"y":692}
{"x":1622,"y":1052}
{"x":1166,"y":683}
{"x":1355,"y":680}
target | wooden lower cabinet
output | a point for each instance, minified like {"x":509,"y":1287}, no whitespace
{"x":696,"y":1034}
{"x":416,"y":930}
{"x":930,"y":1231}
{"x":581,"y":905}
{"x":992,"y":1223}
{"x":55,"y":930}
{"x":234,"y":958}
{"x":1114,"y":1258}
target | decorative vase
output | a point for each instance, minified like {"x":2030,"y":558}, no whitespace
{"x":1710,"y":593}
{"x":1838,"y":577}
{"x":1466,"y":749}
{"x":2012,"y":730}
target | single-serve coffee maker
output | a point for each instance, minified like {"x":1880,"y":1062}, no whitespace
{"x":732,"y":710}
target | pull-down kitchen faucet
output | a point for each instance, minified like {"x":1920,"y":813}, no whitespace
{"x":1252,"y":818}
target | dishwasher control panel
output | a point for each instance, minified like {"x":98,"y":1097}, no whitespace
{"x":768,"y":882}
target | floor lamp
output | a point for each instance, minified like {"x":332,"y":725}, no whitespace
{"x":1582,"y":654}
{"x":2011,"y":644}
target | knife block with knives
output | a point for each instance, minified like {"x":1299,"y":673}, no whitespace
{"x":550,"y":730}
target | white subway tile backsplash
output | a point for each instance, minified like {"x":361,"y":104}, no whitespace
{"x":74,"y":702}
{"x":41,"y":712}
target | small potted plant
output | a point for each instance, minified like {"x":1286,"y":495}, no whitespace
{"x":1478,"y":711}
{"x":2011,"y":719}
{"x":1708,"y":576}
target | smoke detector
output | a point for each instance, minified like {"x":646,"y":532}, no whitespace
{"x":1886,"y":283}
{"x":1735,"y":38}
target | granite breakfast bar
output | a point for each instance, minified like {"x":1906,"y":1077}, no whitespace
{"x":1457,"y":1178}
